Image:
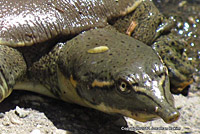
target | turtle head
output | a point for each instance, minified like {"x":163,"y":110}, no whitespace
{"x":117,"y":74}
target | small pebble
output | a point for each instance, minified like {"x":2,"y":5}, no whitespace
{"x":6,"y":121}
{"x":15,"y":121}
{"x":2,"y":115}
{"x":61,"y":131}
{"x":20,"y":112}
{"x":36,"y":131}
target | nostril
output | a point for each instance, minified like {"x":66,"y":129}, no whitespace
{"x":168,"y":113}
{"x":173,"y":117}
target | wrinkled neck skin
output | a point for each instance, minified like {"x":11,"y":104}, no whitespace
{"x":117,"y":74}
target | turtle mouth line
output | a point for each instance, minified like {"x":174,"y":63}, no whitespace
{"x":163,"y":109}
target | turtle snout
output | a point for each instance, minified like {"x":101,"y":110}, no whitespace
{"x":173,"y":117}
{"x":168,"y":113}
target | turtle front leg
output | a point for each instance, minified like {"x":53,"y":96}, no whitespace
{"x":12,"y":68}
{"x":146,"y":23}
{"x":171,"y":49}
{"x":150,"y":23}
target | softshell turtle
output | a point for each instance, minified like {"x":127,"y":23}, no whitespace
{"x":99,"y":68}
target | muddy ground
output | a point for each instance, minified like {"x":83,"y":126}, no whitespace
{"x":25,"y":113}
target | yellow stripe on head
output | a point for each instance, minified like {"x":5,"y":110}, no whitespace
{"x":97,"y":83}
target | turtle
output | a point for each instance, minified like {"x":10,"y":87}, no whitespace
{"x":65,"y":49}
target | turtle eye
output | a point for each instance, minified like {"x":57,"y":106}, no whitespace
{"x":124,"y":87}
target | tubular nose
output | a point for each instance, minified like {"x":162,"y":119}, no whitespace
{"x":169,"y":113}
{"x":173,"y":117}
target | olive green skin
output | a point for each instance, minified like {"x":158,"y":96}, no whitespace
{"x":132,"y":82}
{"x":115,"y":81}
{"x":154,"y":29}
{"x":147,"y":87}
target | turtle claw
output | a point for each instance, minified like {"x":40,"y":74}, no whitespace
{"x":131,"y":28}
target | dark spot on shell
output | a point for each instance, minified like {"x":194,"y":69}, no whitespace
{"x":138,"y":46}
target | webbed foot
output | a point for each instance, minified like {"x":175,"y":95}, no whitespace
{"x":171,"y":50}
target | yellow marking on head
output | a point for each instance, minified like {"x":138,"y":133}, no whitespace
{"x":139,"y":89}
{"x":97,"y":83}
{"x":139,"y":116}
{"x":162,"y":80}
{"x":131,"y":8}
{"x":99,"y":49}
{"x":74,"y":83}
{"x":69,"y":93}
